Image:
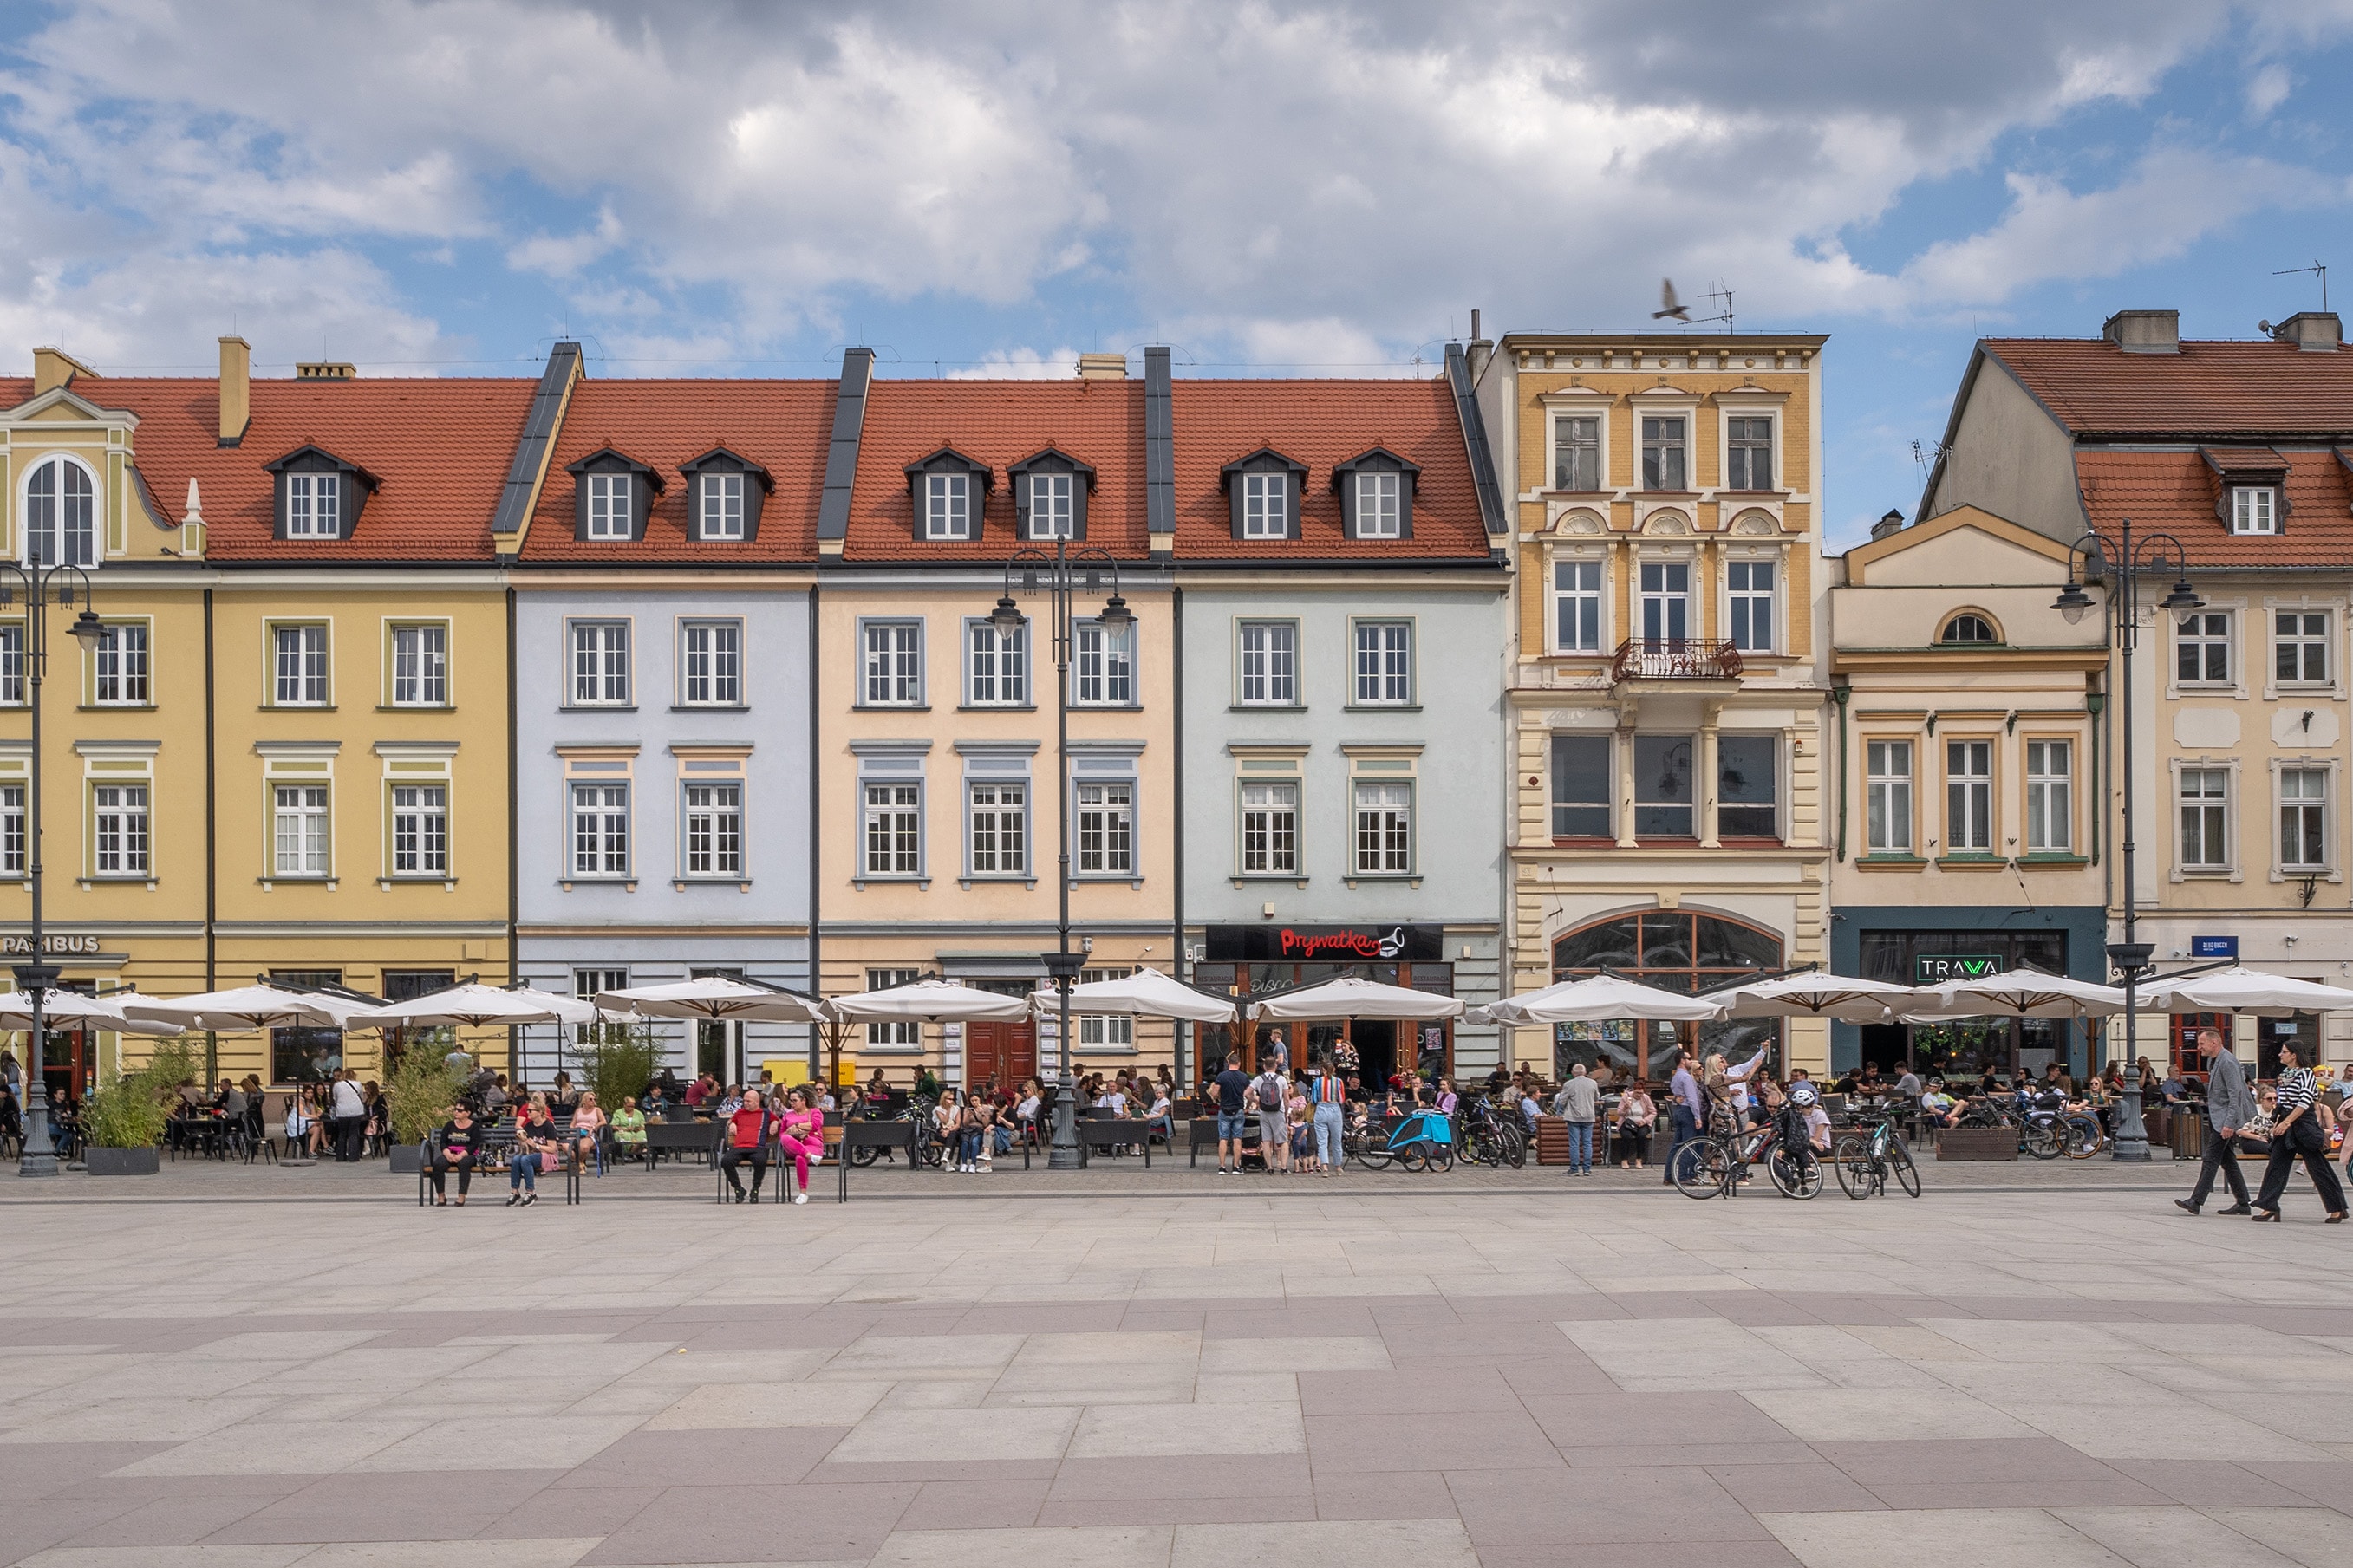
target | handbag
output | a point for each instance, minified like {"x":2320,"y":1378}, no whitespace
{"x":549,"y":1162}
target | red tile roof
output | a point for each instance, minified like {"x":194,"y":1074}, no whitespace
{"x":2092,"y":387}
{"x":1321,"y":423}
{"x":2177,"y":492}
{"x":1100,"y":423}
{"x":438,"y":447}
{"x":781,"y":425}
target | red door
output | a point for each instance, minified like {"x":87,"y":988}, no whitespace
{"x":1004,"y":1054}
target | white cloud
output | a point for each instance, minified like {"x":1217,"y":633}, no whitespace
{"x":1021,"y":364}
{"x":2267,"y":89}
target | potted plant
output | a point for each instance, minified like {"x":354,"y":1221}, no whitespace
{"x":420,"y":1087}
{"x":123,"y":1121}
{"x":617,"y":1060}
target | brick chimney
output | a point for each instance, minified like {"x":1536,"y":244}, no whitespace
{"x":1891,"y":522}
{"x":236,"y":390}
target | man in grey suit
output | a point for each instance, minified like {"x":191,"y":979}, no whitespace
{"x":2229,"y":1107}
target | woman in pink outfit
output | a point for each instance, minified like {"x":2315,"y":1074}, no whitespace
{"x":801,"y":1132}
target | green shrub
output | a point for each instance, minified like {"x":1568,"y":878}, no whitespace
{"x":132,"y":1112}
{"x":420,"y":1088}
{"x":616,"y":1060}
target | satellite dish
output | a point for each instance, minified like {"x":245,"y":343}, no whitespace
{"x":2264,"y":328}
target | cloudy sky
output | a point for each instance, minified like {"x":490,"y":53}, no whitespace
{"x":742,"y":188}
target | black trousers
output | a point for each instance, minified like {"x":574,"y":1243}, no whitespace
{"x":2303,"y":1141}
{"x":735,"y":1157}
{"x":350,"y":1133}
{"x":443,"y":1164}
{"x":2218,"y":1157}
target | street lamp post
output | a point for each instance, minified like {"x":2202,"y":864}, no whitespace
{"x":2127,"y":562}
{"x":39,"y":1157}
{"x":1066,"y":573}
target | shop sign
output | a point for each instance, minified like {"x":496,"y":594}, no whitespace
{"x":2215,"y":947}
{"x":22,"y":946}
{"x":1273,"y":943}
{"x":1949,"y":968}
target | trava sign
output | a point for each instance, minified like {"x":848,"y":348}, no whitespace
{"x":1945,"y":968}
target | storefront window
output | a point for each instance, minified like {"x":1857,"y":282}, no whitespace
{"x":305,"y":1055}
{"x":1675,"y":952}
{"x":1968,"y":1047}
{"x":1379,"y":1048}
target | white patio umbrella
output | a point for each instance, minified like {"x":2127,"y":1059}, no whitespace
{"x":2238,"y":989}
{"x":1596,"y":998}
{"x":1350,"y":996}
{"x":711,"y":997}
{"x":69,"y":1008}
{"x":247,"y":1007}
{"x":1813,"y":995}
{"x":1147,"y":994}
{"x":2016,"y":994}
{"x":476,"y":1006}
{"x":932,"y":1000}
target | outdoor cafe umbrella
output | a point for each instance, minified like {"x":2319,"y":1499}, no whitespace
{"x":2015,"y":993}
{"x":713,"y":998}
{"x":931,"y":1001}
{"x":476,"y":1006}
{"x":69,"y":1008}
{"x":116,"y":1001}
{"x":1813,"y":995}
{"x":250,"y":1007}
{"x":2239,"y":990}
{"x":1596,"y":998}
{"x":1351,"y":996}
{"x":1146,"y":993}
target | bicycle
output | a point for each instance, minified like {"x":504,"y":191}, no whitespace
{"x":1488,"y":1139}
{"x":1864,"y":1162}
{"x":1716,"y":1165}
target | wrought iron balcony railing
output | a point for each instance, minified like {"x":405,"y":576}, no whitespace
{"x":1674,"y":658}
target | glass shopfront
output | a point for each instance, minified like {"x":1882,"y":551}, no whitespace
{"x":1965,"y":1047}
{"x":1675,"y":952}
{"x":1255,"y":961}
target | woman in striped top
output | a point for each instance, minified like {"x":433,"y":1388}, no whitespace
{"x":2295,"y":1134}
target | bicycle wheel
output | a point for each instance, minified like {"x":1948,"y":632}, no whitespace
{"x":1852,"y":1160}
{"x":1704,"y":1170}
{"x":1899,"y":1159}
{"x":2084,"y":1137}
{"x":1515,"y":1148}
{"x":1413,"y":1157}
{"x":2042,"y":1139}
{"x":863,"y":1156}
{"x":1441,"y":1157}
{"x":1796,"y":1172}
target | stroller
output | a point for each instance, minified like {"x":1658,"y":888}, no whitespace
{"x":1423,"y":1140}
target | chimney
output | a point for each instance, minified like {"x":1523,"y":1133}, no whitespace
{"x":55,"y":367}
{"x":236,"y":390}
{"x":2144,"y":332}
{"x":324,"y":370}
{"x":2313,"y":332}
{"x":1891,"y":523}
{"x":1480,"y":349}
{"x":1102,"y":367}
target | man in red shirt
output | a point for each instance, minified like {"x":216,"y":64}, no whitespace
{"x":749,"y":1133}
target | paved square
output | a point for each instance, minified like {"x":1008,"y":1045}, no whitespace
{"x":259,"y":1372}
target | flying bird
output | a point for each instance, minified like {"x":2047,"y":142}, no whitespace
{"x":1674,"y":307}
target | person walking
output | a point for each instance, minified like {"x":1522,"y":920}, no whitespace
{"x":2296,"y":1135}
{"x":1330,"y":1097}
{"x":350,"y":1112}
{"x":1683,"y":1113}
{"x":1577,"y":1104}
{"x":1270,"y":1097}
{"x":2229,"y":1109}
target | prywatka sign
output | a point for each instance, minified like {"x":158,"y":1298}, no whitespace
{"x":1310,"y":945}
{"x":51,"y":946}
{"x":1285,"y":943}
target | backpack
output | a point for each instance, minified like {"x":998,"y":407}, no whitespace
{"x":1270,"y":1092}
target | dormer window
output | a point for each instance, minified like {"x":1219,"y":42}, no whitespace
{"x":2254,"y":508}
{"x":723,"y":494}
{"x":1376,"y":495}
{"x":318,"y":495}
{"x":950,"y":492}
{"x":1050,"y":493}
{"x":1263,"y":491}
{"x":60,"y":515}
{"x":611,"y":495}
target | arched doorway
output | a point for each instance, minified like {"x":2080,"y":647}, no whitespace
{"x":1674,"y":950}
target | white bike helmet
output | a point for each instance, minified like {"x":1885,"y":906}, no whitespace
{"x":1802,"y":1096}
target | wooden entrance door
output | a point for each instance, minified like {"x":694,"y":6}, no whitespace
{"x":1002,"y":1053}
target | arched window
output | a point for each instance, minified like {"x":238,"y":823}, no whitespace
{"x":1967,"y":628}
{"x":1674,"y":951}
{"x":60,"y":515}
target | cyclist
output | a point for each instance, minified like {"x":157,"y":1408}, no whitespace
{"x":1807,"y":1101}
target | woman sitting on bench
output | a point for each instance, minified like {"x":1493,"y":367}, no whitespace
{"x":747,"y":1139}
{"x":459,"y":1149}
{"x":587,"y":1122}
{"x":535,"y":1134}
{"x":800,"y":1134}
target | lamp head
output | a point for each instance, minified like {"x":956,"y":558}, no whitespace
{"x":88,"y":627}
{"x":1008,"y":617}
{"x":1116,"y":615}
{"x":2183,"y":597}
{"x":2072,"y":603}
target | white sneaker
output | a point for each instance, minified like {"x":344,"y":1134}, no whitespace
{"x":985,"y":1168}
{"x":800,"y":1197}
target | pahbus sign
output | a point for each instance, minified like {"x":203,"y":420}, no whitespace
{"x":1945,"y":968}
{"x":22,"y":946}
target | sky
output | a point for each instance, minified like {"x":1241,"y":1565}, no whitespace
{"x":736,"y":188}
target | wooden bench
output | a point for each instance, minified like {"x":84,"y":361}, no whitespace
{"x":1981,"y":1145}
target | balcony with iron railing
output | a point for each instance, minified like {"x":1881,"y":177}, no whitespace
{"x":1674,"y":658}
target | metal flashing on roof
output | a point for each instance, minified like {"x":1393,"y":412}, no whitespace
{"x":1474,"y":442}
{"x":1159,"y":445}
{"x":841,"y":453}
{"x":532,"y":452}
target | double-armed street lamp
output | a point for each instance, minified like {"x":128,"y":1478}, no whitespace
{"x":1064,"y":575}
{"x":69,"y":585}
{"x":2124,"y":563}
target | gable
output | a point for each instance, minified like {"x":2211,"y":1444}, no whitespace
{"x":1965,"y":545}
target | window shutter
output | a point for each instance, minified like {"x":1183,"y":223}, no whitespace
{"x":1078,"y":507}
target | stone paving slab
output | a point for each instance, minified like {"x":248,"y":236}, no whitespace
{"x":1440,"y":1370}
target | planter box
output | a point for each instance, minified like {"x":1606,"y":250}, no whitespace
{"x":122,"y":1162}
{"x":1998,"y":1144}
{"x":1552,"y":1140}
{"x":406,"y":1158}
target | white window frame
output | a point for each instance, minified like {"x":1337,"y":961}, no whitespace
{"x":719,"y":506}
{"x":894,"y":1034}
{"x":122,"y":830}
{"x":1268,"y":810}
{"x":1381,"y":838}
{"x":600,"y":830}
{"x":12,"y":666}
{"x":1276,"y":678}
{"x":1053,"y":505}
{"x":947,"y":506}
{"x":593,"y":646}
{"x":1668,"y":601}
{"x":314,"y":506}
{"x":1774,"y":781}
{"x":1388,"y":681}
{"x":2317,"y":807}
{"x":1744,"y":603}
{"x":1771,"y":447}
{"x":1103,"y":666}
{"x":302,"y":830}
{"x":890,"y":662}
{"x":2254,"y":510}
{"x":420,"y":672}
{"x":1266,"y":505}
{"x":710,"y":675}
{"x":1106,"y":829}
{"x":309,"y":683}
{"x":2216,"y":816}
{"x":1967,"y":789}
{"x":66,"y":527}
{"x":12,"y":830}
{"x":612,"y":502}
{"x":1380,"y":504}
{"x":1888,"y":794}
{"x":2205,"y":639}
{"x":1555,"y":804}
{"x":895,"y":808}
{"x":1588,"y":593}
{"x":996,"y":829}
{"x":420,"y":830}
{"x":122,"y":666}
{"x":1601,"y":451}
{"x":996,"y":665}
{"x":2301,"y":638}
{"x":2050,"y":795}
{"x":1679,"y":445}
{"x":710,"y":832}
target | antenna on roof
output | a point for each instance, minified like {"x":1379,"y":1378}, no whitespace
{"x":1718,"y":297}
{"x":1928,"y":454}
{"x":2318,"y":270}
